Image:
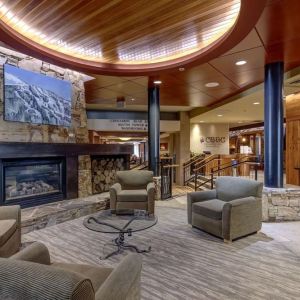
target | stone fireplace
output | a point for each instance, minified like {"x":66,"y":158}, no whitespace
{"x":36,"y":173}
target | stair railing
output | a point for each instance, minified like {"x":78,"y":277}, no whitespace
{"x":188,"y":167}
{"x":201,"y":165}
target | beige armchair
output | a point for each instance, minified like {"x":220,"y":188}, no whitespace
{"x":29,"y":275}
{"x":10,"y":230}
{"x":133,"y":190}
{"x":232,"y":210}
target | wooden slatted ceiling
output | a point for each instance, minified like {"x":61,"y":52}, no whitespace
{"x":122,"y":31}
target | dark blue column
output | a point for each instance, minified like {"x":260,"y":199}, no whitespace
{"x":153,"y":128}
{"x":274,"y":125}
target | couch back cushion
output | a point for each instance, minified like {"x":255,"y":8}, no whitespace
{"x":230,"y":188}
{"x":27,"y":280}
{"x":134,"y":180}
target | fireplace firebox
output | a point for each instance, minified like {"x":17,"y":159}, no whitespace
{"x":31,"y":182}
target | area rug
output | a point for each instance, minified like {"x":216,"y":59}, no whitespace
{"x":186,"y":263}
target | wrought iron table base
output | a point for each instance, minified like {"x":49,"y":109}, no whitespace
{"x":120,"y":243}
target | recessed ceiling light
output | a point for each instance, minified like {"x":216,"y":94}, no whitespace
{"x":201,"y":121}
{"x":181,"y":69}
{"x":157,"y":81}
{"x":256,"y":103}
{"x":132,"y":99}
{"x":212,"y":84}
{"x":220,"y":115}
{"x":240,"y":122}
{"x":241,"y":62}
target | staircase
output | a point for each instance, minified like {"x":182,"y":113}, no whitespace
{"x":202,"y":174}
{"x":203,"y":182}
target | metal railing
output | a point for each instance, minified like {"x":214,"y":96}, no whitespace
{"x":225,"y":169}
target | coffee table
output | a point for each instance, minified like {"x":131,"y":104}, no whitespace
{"x":122,"y":224}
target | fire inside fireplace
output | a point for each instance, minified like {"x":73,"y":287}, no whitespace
{"x":31,"y":182}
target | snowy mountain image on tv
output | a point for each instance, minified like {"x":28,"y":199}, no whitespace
{"x":36,"y":98}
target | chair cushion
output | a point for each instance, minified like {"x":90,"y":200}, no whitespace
{"x":133,"y":196}
{"x":97,"y":275}
{"x":7,"y":229}
{"x":134,"y":179}
{"x":210,"y":208}
{"x":231,"y":188}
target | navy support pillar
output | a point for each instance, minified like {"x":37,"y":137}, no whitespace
{"x":153,"y":128}
{"x":274,"y":125}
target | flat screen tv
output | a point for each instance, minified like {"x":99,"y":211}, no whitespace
{"x":36,"y":98}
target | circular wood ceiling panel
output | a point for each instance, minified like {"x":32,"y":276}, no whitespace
{"x":120,"y":34}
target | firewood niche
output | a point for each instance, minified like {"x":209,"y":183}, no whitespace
{"x":104,"y":169}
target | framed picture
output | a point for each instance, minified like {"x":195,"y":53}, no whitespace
{"x":35,"y":98}
{"x":164,"y":146}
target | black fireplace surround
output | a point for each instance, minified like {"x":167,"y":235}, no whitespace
{"x":32,"y":181}
{"x":35,"y":173}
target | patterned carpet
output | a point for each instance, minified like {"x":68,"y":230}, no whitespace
{"x":186,"y":263}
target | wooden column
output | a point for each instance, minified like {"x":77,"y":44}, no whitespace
{"x":293,"y":139}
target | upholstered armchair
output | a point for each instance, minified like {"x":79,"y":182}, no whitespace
{"x":232,"y":210}
{"x":29,"y":274}
{"x":10,"y":230}
{"x":133,"y":190}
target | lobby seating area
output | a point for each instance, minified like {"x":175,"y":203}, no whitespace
{"x":149,"y":150}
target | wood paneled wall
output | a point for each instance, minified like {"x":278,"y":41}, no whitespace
{"x":292,"y":139}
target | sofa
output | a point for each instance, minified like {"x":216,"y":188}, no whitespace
{"x":232,"y":210}
{"x":30,"y":275}
{"x":10,"y":230}
{"x":133,"y":190}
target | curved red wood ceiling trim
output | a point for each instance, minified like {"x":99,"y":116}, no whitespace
{"x":250,"y":12}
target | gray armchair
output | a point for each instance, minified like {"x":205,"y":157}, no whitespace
{"x":10,"y":230}
{"x":29,"y":275}
{"x":232,"y":210}
{"x":133,"y":190}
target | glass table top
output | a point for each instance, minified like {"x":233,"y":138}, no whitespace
{"x":107,"y":222}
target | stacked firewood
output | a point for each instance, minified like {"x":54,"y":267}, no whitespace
{"x":104,"y":173}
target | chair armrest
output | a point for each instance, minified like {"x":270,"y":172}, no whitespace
{"x":114,"y":190}
{"x":151,"y":197}
{"x":28,"y":280}
{"x":36,"y":252}
{"x":124,"y":281}
{"x":11,"y":212}
{"x":198,"y":197}
{"x":241,"y":216}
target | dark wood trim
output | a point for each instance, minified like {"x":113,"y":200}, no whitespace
{"x":21,"y":150}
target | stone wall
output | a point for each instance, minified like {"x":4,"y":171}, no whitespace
{"x":84,"y":176}
{"x":281,"y":204}
{"x":23,"y":132}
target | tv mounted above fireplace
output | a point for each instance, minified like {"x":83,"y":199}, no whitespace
{"x":36,"y":98}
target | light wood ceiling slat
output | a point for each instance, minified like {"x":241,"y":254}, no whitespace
{"x":128,"y":31}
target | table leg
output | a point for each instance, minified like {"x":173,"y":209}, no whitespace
{"x":121,"y":245}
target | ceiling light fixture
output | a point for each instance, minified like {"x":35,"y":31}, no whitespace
{"x":241,"y":62}
{"x":125,"y":139}
{"x":256,"y":103}
{"x":181,"y":69}
{"x":212,"y":84}
{"x":220,"y":115}
{"x":201,"y":121}
{"x":157,"y":81}
{"x":132,"y":99}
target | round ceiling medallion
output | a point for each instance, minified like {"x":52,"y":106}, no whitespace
{"x":121,"y":36}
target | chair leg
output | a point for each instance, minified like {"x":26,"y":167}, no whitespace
{"x":227,"y":241}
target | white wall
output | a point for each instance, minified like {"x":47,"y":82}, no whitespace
{"x":210,"y":137}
